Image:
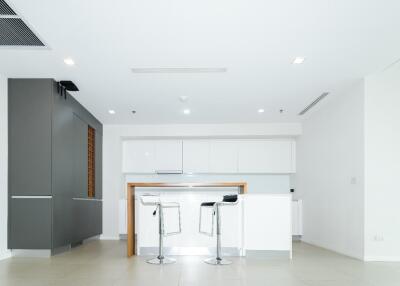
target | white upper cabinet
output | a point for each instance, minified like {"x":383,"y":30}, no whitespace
{"x":168,"y":156}
{"x":223,"y":156}
{"x":196,"y":156}
{"x":152,"y":156}
{"x":266,"y":156}
{"x":250,"y":156}
{"x":138,"y":156}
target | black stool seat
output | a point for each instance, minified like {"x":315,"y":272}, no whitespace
{"x":207,"y":204}
{"x":230,"y":198}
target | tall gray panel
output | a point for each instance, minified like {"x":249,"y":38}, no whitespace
{"x":62,"y":168}
{"x":30,"y":225}
{"x":80,"y":157}
{"x":30,"y":109}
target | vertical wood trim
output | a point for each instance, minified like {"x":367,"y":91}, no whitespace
{"x":131,"y":220}
{"x":91,"y":151}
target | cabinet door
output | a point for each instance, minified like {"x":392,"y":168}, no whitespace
{"x":29,"y":124}
{"x":168,"y":156}
{"x":30,"y":223}
{"x":267,"y":222}
{"x":80,"y":155}
{"x":223,"y":156}
{"x":138,"y":156}
{"x":196,"y":155}
{"x":265,"y":156}
{"x":62,"y":168}
{"x":87,"y":218}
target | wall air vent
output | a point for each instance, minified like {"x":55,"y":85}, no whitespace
{"x":5,"y":9}
{"x":314,"y":103}
{"x":14,"y":31}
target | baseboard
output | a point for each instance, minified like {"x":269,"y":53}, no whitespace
{"x":102,"y":237}
{"x":37,"y":253}
{"x":204,"y":251}
{"x":382,"y":258}
{"x":331,"y":249}
{"x":268,"y":254}
{"x":5,"y":255}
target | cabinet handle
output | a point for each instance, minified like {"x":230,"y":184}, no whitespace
{"x":169,"y":171}
{"x":31,"y":197}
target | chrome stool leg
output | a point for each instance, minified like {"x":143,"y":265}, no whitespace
{"x":218,"y":260}
{"x":161,"y":259}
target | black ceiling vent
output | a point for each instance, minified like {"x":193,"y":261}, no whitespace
{"x":14,"y":32}
{"x":5,"y":9}
{"x":69,"y":85}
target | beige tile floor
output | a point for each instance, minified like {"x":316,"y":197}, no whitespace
{"x":104,"y":263}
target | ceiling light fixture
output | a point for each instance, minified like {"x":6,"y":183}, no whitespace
{"x":179,"y":70}
{"x":69,"y":62}
{"x":183,"y":98}
{"x":261,"y":110}
{"x":111,"y":111}
{"x":186,"y":111}
{"x":298,"y":60}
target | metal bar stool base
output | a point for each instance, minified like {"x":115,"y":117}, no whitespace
{"x":217,"y":261}
{"x":164,"y":260}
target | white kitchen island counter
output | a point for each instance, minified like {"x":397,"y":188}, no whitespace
{"x":260,"y":224}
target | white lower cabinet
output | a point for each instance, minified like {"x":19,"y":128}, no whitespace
{"x":297,"y":218}
{"x":267,"y":222}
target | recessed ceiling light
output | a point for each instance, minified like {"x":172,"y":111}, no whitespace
{"x":298,"y":60}
{"x":183,"y":98}
{"x":69,"y":61}
{"x":186,"y":111}
{"x":261,"y":110}
{"x":111,"y":111}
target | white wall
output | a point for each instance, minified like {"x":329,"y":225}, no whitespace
{"x":113,"y":179}
{"x":382,"y":165}
{"x":329,"y":175}
{"x":3,"y":168}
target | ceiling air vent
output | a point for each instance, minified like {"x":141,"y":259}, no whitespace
{"x":14,"y":31}
{"x":314,"y":103}
{"x":5,"y":9}
{"x":179,"y":70}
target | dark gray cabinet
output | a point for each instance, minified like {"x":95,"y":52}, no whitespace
{"x":48,"y":167}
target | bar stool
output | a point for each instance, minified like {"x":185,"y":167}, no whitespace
{"x":228,"y":200}
{"x":160,"y":206}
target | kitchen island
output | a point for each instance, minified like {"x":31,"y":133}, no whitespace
{"x":260,"y":224}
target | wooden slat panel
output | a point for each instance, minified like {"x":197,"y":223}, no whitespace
{"x":91,"y":162}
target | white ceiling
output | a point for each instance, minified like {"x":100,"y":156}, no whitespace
{"x":256,"y":40}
